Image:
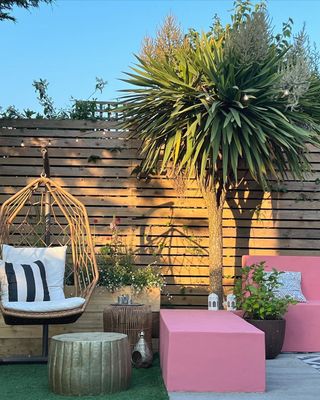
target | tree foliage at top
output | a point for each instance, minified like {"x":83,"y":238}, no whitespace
{"x":237,"y":98}
{"x":169,"y":38}
{"x":6,"y":7}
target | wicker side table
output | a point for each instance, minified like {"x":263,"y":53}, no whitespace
{"x":130,"y":320}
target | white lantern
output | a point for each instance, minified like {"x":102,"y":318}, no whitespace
{"x":213,"y":302}
{"x":231,"y":302}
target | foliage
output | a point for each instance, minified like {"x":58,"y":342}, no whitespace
{"x":296,"y":70}
{"x":13,"y":113}
{"x":169,"y":38}
{"x":80,"y":109}
{"x":250,"y":41}
{"x":223,"y":102}
{"x":41,"y":87}
{"x":230,"y":105}
{"x":118,"y":268}
{"x":86,"y":109}
{"x":6,"y":7}
{"x":83,"y":109}
{"x":256,"y":294}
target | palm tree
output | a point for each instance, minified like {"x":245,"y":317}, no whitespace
{"x":233,"y":104}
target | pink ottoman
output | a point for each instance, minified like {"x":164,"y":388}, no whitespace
{"x":210,"y":351}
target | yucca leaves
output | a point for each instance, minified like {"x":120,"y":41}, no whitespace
{"x":208,"y":114}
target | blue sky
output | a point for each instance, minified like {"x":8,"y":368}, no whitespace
{"x":73,"y":41}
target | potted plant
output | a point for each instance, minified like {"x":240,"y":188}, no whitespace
{"x":256,"y":295}
{"x":120,"y":273}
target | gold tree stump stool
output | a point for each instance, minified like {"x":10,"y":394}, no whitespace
{"x":89,"y":364}
{"x":130,"y":320}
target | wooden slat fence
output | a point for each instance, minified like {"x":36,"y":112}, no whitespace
{"x":165,"y":218}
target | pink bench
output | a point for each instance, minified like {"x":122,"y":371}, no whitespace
{"x":210,"y":351}
{"x":302,"y":319}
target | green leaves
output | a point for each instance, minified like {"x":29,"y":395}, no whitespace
{"x":256,"y":293}
{"x":205,"y":112}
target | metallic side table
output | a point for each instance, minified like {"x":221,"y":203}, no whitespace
{"x":89,"y":364}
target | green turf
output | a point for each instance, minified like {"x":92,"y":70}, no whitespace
{"x":30,"y":382}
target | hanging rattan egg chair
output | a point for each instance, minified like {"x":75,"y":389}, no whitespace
{"x":43,"y":214}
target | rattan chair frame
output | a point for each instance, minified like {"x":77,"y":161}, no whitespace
{"x":85,"y":270}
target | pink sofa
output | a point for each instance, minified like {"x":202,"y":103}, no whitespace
{"x":302,"y":319}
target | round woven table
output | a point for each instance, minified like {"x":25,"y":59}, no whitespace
{"x":89,"y":364}
{"x":130,"y":320}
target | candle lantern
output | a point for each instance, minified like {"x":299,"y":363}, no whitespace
{"x":142,"y":355}
{"x":213,"y":302}
{"x":231,"y":302}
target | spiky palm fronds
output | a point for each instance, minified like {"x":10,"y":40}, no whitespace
{"x":208,"y":113}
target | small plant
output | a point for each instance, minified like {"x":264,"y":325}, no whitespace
{"x":256,"y":294}
{"x":80,"y":109}
{"x":83,"y":109}
{"x":118,"y":268}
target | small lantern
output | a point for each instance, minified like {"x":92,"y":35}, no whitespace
{"x":142,"y":355}
{"x":213,"y":302}
{"x":231,"y":302}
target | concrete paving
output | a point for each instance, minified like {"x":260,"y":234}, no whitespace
{"x":288,"y":378}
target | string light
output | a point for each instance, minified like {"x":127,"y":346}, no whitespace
{"x":286,"y":92}
{"x":245,"y":97}
{"x":50,"y":141}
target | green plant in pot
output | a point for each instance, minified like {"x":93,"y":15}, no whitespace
{"x":256,"y":295}
{"x":118,"y":266}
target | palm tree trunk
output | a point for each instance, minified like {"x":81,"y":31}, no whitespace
{"x":215,"y":209}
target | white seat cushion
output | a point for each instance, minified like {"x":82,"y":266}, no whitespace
{"x":44,"y":306}
{"x":53,"y":258}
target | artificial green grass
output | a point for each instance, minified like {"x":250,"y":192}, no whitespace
{"x":30,"y":382}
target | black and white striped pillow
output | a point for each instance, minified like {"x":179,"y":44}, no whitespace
{"x":23,"y":282}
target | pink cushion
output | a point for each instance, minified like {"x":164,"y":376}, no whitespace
{"x":309,"y":267}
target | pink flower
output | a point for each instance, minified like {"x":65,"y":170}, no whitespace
{"x":115,"y":222}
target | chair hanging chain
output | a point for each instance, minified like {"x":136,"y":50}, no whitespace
{"x":46,"y":166}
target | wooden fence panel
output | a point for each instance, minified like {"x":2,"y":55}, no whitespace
{"x":95,"y":161}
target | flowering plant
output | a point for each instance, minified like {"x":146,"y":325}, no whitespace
{"x":118,"y":268}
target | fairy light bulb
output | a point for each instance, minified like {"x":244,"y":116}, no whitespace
{"x":245,"y":97}
{"x":286,"y":92}
{"x":207,"y":97}
{"x":77,"y":140}
{"x":22,"y":143}
{"x":49,"y":143}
